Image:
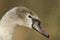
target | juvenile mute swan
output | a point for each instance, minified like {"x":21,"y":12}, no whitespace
{"x":19,"y":16}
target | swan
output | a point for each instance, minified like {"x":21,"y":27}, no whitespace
{"x":19,"y":16}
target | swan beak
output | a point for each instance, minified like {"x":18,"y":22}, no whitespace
{"x":38,"y":28}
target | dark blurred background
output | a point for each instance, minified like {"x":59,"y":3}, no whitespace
{"x":47,"y":10}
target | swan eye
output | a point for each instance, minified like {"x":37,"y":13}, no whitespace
{"x":29,"y":16}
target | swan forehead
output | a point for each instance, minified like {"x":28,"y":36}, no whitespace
{"x":22,"y":12}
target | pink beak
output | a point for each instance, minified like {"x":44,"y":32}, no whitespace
{"x":39,"y":29}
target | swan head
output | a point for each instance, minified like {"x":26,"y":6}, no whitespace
{"x":26,"y":17}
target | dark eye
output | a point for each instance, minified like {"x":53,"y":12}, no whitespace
{"x":29,"y":16}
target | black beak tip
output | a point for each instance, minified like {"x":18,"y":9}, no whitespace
{"x":47,"y":36}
